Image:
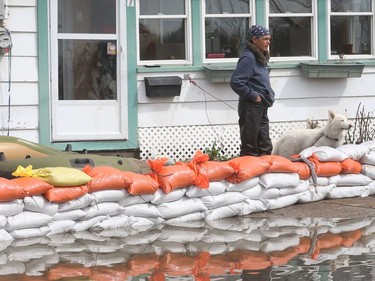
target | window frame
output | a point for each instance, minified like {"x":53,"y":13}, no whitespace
{"x":251,"y":15}
{"x":341,"y":14}
{"x":188,"y":36}
{"x":314,"y":32}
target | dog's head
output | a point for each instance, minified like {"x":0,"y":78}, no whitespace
{"x":338,"y":121}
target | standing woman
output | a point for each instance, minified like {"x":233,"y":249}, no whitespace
{"x":251,"y":81}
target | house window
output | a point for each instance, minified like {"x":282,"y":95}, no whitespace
{"x":351,"y":24}
{"x":291,"y":23}
{"x":163,"y":31}
{"x":226,"y":23}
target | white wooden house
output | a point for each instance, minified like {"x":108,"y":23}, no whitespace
{"x":75,"y":70}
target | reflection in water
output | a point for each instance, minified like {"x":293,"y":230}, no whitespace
{"x":238,"y":248}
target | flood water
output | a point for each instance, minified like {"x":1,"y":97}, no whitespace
{"x":239,"y":248}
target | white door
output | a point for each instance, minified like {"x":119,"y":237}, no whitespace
{"x":88,"y":70}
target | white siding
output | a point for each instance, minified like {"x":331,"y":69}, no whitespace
{"x":21,"y":21}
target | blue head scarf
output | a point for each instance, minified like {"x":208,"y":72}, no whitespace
{"x":258,"y":31}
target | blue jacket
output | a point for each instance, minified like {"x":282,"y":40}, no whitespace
{"x":251,"y":79}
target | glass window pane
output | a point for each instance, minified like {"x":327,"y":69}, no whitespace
{"x":290,"y":6}
{"x":351,"y":6}
{"x":290,"y":36}
{"x":225,"y":37}
{"x":87,"y":16}
{"x":351,"y":35}
{"x":164,"y":7}
{"x":162,"y":39}
{"x":87,"y":70}
{"x":227,"y":6}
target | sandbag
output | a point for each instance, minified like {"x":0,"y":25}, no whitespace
{"x":32,"y":186}
{"x":56,"y":176}
{"x":324,"y":154}
{"x":64,"y":194}
{"x":279,"y":164}
{"x":354,"y":151}
{"x":105,"y":178}
{"x":279,"y":180}
{"x":10,"y":190}
{"x":246,"y":167}
{"x":326,"y":169}
{"x":214,"y":188}
{"x":350,"y":166}
{"x":141,"y":183}
{"x":173,"y":176}
{"x":303,"y":170}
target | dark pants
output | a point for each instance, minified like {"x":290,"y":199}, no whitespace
{"x":254,"y":128}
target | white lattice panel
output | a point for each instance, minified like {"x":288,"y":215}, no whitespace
{"x":180,"y":143}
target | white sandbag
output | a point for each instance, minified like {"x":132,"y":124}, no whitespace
{"x":320,"y":181}
{"x":354,"y":151}
{"x":161,"y":248}
{"x":298,"y":230}
{"x":214,"y":188}
{"x":283,"y":201}
{"x":29,"y":232}
{"x":12,"y":267}
{"x":104,"y":208}
{"x":181,"y":235}
{"x":368,"y":170}
{"x":109,"y":246}
{"x":73,"y":215}
{"x":244,"y":185}
{"x":348,"y":192}
{"x":368,"y":158}
{"x":3,"y":221}
{"x":280,"y":243}
{"x":136,"y":199}
{"x":189,"y":219}
{"x":232,"y":224}
{"x":252,"y":206}
{"x":280,"y":222}
{"x":350,"y":180}
{"x":243,"y":245}
{"x":117,"y":221}
{"x":216,"y":248}
{"x":40,"y":204}
{"x":77,"y":204}
{"x":161,"y":197}
{"x":144,"y":224}
{"x":40,"y":266}
{"x":57,"y":227}
{"x":224,"y":212}
{"x":25,"y":254}
{"x":145,"y":210}
{"x":324,"y":153}
{"x":302,"y":187}
{"x":110,"y":259}
{"x":5,"y":236}
{"x":371,"y":188}
{"x":11,"y":208}
{"x":369,"y":229}
{"x":258,"y":235}
{"x":260,"y":192}
{"x":314,"y":194}
{"x":80,"y":226}
{"x":279,"y":180}
{"x":181,"y":207}
{"x":369,"y":144}
{"x":27,"y":219}
{"x":368,"y":241}
{"x":350,"y":225}
{"x":224,"y":236}
{"x":227,"y":198}
{"x":138,"y":239}
{"x":111,"y":195}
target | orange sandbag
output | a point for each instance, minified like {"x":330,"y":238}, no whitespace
{"x":157,"y":276}
{"x":247,"y":167}
{"x":219,"y":264}
{"x":325,"y":169}
{"x":303,"y":170}
{"x":142,"y":263}
{"x":250,"y":260}
{"x":279,"y":164}
{"x":350,"y":166}
{"x":141,"y":184}
{"x":10,"y":190}
{"x":304,"y":245}
{"x":32,"y":186}
{"x":67,"y":270}
{"x":326,"y":241}
{"x":65,"y":194}
{"x":178,"y":264}
{"x":283,"y":257}
{"x":350,"y":237}
{"x":171,"y":177}
{"x":104,"y":273}
{"x":105,"y":178}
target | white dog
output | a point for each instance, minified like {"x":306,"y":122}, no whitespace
{"x":332,"y":134}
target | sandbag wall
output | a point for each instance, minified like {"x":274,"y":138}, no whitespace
{"x":60,"y":200}
{"x":199,"y":249}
